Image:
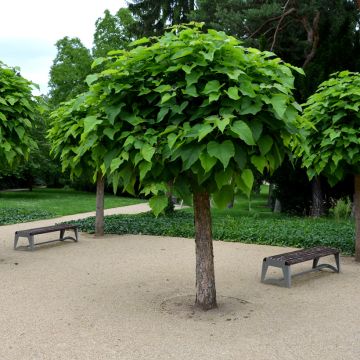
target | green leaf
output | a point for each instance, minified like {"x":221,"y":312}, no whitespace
{"x":190,"y":155}
{"x":224,"y":151}
{"x":279,"y":103}
{"x":223,"y":177}
{"x":113,"y":111}
{"x":147,"y":151}
{"x":91,"y":78}
{"x":110,"y":132}
{"x":182,"y":52}
{"x":233,"y":93}
{"x":115,"y":164}
{"x":207,"y":161}
{"x":259,"y":162}
{"x":90,"y":123}
{"x":224,"y":197}
{"x":265,"y":143}
{"x":243,"y":131}
{"x":144,"y":167}
{"x":191,"y":91}
{"x":141,"y":41}
{"x":193,"y":77}
{"x":245,"y":182}
{"x":212,"y":86}
{"x":158,"y":204}
{"x":20,"y":131}
{"x":246,"y":88}
{"x":163,"y":88}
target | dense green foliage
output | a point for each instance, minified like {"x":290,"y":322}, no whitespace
{"x":69,"y":70}
{"x":17,"y":112}
{"x":332,"y":119}
{"x":202,"y":112}
{"x":58,"y":202}
{"x":20,"y":215}
{"x":284,"y":231}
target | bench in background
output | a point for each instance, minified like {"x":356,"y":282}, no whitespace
{"x":30,"y":233}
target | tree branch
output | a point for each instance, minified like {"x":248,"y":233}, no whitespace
{"x":286,"y":13}
{"x":313,"y":37}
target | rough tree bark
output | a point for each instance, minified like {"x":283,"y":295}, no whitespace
{"x":205,"y":273}
{"x":317,"y":208}
{"x":357,"y":217}
{"x":99,"y":222}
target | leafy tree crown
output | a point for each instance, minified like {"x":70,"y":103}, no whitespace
{"x":17,"y":112}
{"x":332,"y":118}
{"x":191,"y":110}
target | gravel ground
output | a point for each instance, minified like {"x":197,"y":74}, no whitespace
{"x":130,"y":297}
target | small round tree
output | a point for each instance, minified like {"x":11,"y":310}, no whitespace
{"x":332,"y":145}
{"x":194,"y":114}
{"x":17,"y":112}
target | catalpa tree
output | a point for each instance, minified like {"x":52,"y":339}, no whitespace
{"x":193,"y":114}
{"x":332,"y":147}
{"x":17,"y":112}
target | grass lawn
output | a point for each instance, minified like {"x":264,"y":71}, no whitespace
{"x":20,"y":206}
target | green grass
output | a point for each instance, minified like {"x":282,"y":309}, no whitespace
{"x":20,"y":206}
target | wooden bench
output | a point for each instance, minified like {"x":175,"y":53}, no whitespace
{"x":284,"y":261}
{"x":30,"y":233}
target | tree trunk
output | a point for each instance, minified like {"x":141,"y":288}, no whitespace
{"x":357,"y":217}
{"x":317,"y":208}
{"x":99,"y":222}
{"x":205,"y":274}
{"x":270,"y":195}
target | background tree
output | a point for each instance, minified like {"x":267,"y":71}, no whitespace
{"x":70,"y":68}
{"x":194,"y":113}
{"x":113,"y":32}
{"x":17,"y":112}
{"x":332,"y":146}
{"x":79,"y":149}
{"x":155,"y":15}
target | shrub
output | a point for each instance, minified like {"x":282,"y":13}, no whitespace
{"x":341,"y":210}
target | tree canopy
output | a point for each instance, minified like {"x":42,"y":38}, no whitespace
{"x":332,"y":118}
{"x":17,"y":112}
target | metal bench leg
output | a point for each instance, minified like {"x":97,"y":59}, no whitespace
{"x":16,"y":241}
{"x":31,"y":242}
{"x":265,"y":266}
{"x":315,"y":262}
{"x":287,"y":275}
{"x":337,"y":259}
{"x":76,"y":232}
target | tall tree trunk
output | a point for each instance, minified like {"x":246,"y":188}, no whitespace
{"x":99,"y":222}
{"x":317,"y":208}
{"x":205,"y":273}
{"x":357,"y":217}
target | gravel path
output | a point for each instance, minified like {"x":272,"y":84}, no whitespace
{"x":130,"y":297}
